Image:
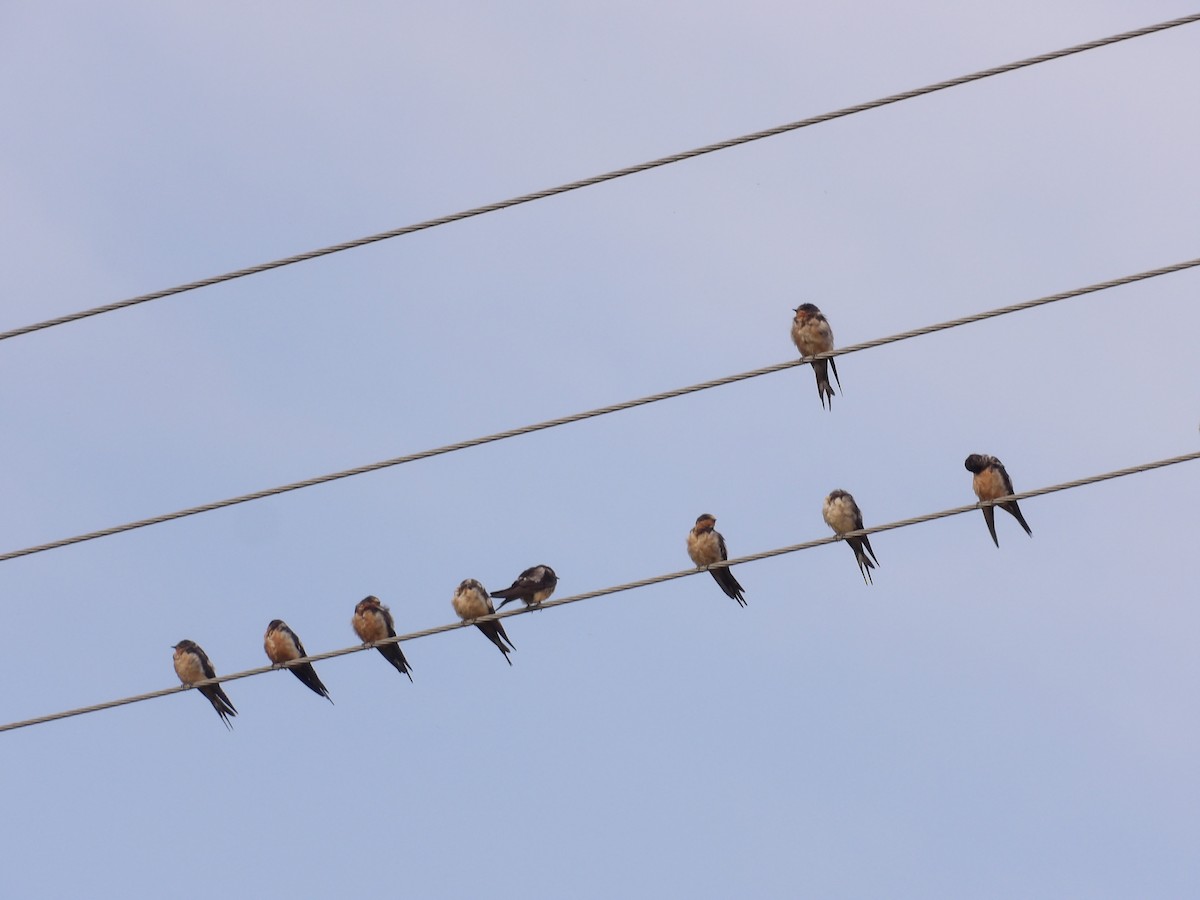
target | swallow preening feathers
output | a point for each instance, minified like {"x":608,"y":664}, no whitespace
{"x":471,"y":601}
{"x":991,"y":482}
{"x":706,"y":546}
{"x":533,"y":586}
{"x":192,"y":665}
{"x":373,"y":622}
{"x":842,"y":514}
{"x":812,"y":335}
{"x":282,"y":646}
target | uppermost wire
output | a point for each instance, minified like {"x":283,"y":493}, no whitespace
{"x":598,"y":179}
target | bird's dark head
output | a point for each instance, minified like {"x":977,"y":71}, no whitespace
{"x":975,"y":463}
{"x":540,"y":574}
{"x":275,"y":623}
{"x":706,"y":520}
{"x":804,"y":310}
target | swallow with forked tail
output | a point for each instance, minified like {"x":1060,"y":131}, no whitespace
{"x":533,"y":587}
{"x":471,"y":601}
{"x":842,"y":514}
{"x":991,"y":482}
{"x":282,"y":646}
{"x":373,"y":622}
{"x":192,"y":665}
{"x":706,"y":546}
{"x":812,"y":335}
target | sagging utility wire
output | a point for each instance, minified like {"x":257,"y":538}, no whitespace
{"x":593,"y":413}
{"x":598,"y":179}
{"x":602,"y":592}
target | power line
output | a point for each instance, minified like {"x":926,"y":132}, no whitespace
{"x":620,"y":588}
{"x":598,"y":179}
{"x":593,"y":413}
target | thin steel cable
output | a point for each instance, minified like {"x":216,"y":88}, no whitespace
{"x":620,"y":588}
{"x":593,"y":413}
{"x":598,"y":179}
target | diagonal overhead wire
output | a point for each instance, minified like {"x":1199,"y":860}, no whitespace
{"x":598,"y":179}
{"x":616,"y":589}
{"x":593,"y":413}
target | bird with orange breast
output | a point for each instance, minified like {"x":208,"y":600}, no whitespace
{"x":372,"y":622}
{"x":990,"y":481}
{"x":192,"y":665}
{"x":471,"y":601}
{"x":842,"y":514}
{"x":706,"y":546}
{"x":812,"y":335}
{"x":282,"y":645}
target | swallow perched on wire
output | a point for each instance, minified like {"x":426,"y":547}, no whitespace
{"x":991,"y":481}
{"x":471,"y":601}
{"x":842,"y":514}
{"x":282,"y":646}
{"x":373,"y":622}
{"x":533,"y":587}
{"x":192,"y":665}
{"x":706,"y":546}
{"x":812,"y":335}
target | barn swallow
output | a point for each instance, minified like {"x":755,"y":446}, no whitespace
{"x":191,"y":665}
{"x":533,"y":586}
{"x":990,"y":482}
{"x":706,"y":546}
{"x":842,"y":514}
{"x":470,"y":602}
{"x":812,"y":335}
{"x":282,"y":646}
{"x":373,"y":622}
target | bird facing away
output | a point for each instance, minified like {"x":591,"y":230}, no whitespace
{"x":192,"y":665}
{"x":812,"y":335}
{"x":373,"y":622}
{"x":991,"y":481}
{"x":471,"y":601}
{"x":842,"y":514}
{"x":282,"y":646}
{"x":533,"y":587}
{"x":706,"y":546}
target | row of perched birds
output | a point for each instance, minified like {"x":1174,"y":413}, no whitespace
{"x":372,"y":621}
{"x":706,"y":546}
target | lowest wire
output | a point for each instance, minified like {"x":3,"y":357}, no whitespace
{"x":602,"y":592}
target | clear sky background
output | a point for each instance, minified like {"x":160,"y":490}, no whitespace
{"x":979,"y":723}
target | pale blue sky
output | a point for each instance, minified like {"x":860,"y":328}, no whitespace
{"x":979,"y":723}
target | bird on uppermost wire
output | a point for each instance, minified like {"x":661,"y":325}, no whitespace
{"x":812,"y":335}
